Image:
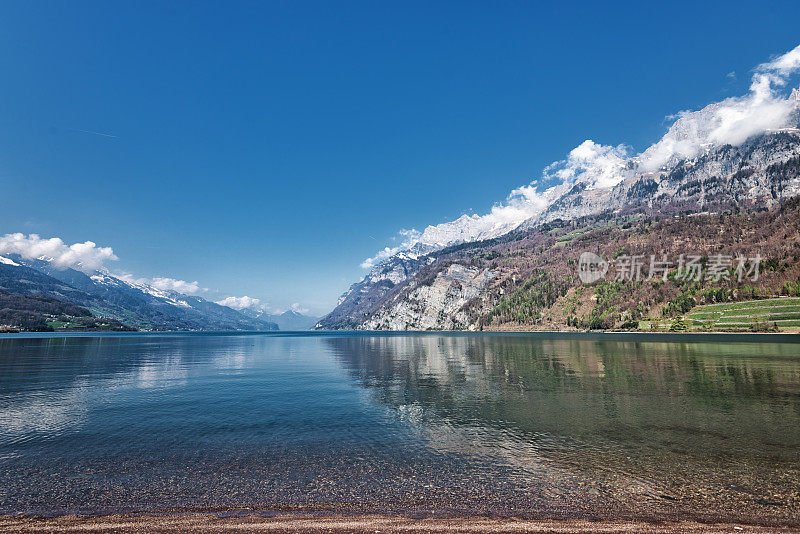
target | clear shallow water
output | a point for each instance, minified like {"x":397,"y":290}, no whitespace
{"x":525,"y":425}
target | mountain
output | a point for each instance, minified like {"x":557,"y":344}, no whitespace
{"x":758,"y":174}
{"x":364,"y":297}
{"x":135,"y":304}
{"x":292,"y":320}
{"x":429,"y":284}
{"x":738,"y":155}
{"x":529,"y":279}
{"x":20,"y":279}
{"x":289,"y":320}
{"x":592,"y":178}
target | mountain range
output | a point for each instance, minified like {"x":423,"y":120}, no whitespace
{"x":290,"y":320}
{"x":133,"y":304}
{"x":449,"y":277}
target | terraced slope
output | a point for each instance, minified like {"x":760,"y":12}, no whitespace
{"x":533,"y":281}
{"x":782,"y":312}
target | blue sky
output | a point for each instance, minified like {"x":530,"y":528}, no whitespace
{"x":267,"y":148}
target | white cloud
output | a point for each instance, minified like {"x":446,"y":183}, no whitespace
{"x":409,"y":237}
{"x":784,"y":65}
{"x":522,"y":204}
{"x":181,"y":286}
{"x":164,"y":284}
{"x":595,"y":166}
{"x":381,"y":255}
{"x":731,"y":121}
{"x":241,"y":303}
{"x":86,"y":257}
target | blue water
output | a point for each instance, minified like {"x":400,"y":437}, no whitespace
{"x":537,"y":425}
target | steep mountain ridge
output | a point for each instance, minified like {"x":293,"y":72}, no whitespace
{"x":362,"y":298}
{"x":759,"y":174}
{"x":530,"y":280}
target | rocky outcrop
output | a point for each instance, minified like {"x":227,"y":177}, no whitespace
{"x":435,"y":305}
{"x":364,"y":297}
{"x":759,"y":173}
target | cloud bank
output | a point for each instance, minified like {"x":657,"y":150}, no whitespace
{"x":763,"y":108}
{"x":181,"y":286}
{"x":734,"y":120}
{"x":241,"y":303}
{"x":86,"y":257}
{"x":164,"y":284}
{"x":408,"y":238}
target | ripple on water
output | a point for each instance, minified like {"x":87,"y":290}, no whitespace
{"x":524,"y":425}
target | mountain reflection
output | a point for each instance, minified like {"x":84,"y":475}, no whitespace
{"x":522,"y":423}
{"x":693,"y":397}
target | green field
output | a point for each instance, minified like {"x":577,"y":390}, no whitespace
{"x":783,"y":312}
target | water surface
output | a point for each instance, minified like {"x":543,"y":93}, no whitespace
{"x":526,"y":425}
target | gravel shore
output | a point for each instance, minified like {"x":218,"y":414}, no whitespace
{"x":220,"y":522}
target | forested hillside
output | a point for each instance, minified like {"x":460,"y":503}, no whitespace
{"x":38,"y":313}
{"x":533,"y":280}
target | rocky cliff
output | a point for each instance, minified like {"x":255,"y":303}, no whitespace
{"x":447,"y":288}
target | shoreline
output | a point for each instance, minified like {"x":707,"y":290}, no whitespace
{"x":274,"y":521}
{"x":487,"y":331}
{"x":711,"y":336}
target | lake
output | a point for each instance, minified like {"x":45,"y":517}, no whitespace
{"x":529,"y":425}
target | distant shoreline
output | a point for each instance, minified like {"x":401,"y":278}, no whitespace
{"x":771,"y":337}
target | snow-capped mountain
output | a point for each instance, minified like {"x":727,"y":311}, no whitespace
{"x":738,"y":154}
{"x":426,"y":292}
{"x":287,"y":321}
{"x":759,"y":173}
{"x":134,"y":303}
{"x":596,"y":170}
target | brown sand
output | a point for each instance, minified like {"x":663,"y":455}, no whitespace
{"x":298,"y":522}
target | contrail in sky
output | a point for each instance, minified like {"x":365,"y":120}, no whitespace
{"x":91,"y":132}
